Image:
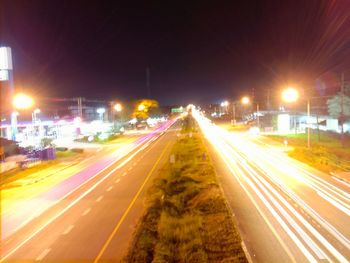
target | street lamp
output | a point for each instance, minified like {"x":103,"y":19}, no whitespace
{"x":141,"y":107}
{"x":20,"y":101}
{"x":118,"y":107}
{"x":224,"y":104}
{"x":101,"y":111}
{"x":292,"y":95}
{"x":34,"y":116}
{"x":246,"y":100}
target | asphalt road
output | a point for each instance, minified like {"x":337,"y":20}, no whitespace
{"x":24,"y":199}
{"x":96,"y":221}
{"x":285,"y":210}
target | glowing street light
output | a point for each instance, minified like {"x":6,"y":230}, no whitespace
{"x":118,"y":107}
{"x":245,"y":100}
{"x":290,"y":95}
{"x":101,"y":110}
{"x":141,"y":107}
{"x":224,"y":103}
{"x":22,"y":101}
{"x":34,"y":115}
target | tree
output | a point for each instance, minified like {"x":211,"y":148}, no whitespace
{"x":339,"y":107}
{"x":335,"y":106}
{"x":143,"y":108}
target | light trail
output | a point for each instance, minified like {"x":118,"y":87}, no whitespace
{"x":298,"y":200}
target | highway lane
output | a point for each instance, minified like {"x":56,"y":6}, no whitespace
{"x":20,"y":205}
{"x":286,"y":212}
{"x":96,"y":220}
{"x":16,"y":197}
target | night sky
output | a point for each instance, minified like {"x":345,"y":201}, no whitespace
{"x":197,"y":51}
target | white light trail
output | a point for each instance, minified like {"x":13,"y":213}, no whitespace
{"x":273,"y":178}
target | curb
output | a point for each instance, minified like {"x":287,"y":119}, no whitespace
{"x":245,"y":250}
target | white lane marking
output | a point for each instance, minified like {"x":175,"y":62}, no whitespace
{"x":84,"y":183}
{"x":124,"y":174}
{"x":341,"y":181}
{"x":76,"y":200}
{"x":307,"y":208}
{"x":133,"y":155}
{"x":68,"y":229}
{"x":255,"y":176}
{"x":117,"y":181}
{"x":333,"y":202}
{"x":43,"y":254}
{"x":99,"y":198}
{"x":86,"y":212}
{"x":307,"y":239}
{"x":109,"y":188}
{"x":329,"y":247}
{"x":280,"y":220}
{"x":280,"y":240}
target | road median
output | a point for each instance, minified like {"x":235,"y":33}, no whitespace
{"x":186,"y":217}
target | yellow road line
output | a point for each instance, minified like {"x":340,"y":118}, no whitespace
{"x":130,"y":206}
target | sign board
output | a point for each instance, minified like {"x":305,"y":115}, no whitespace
{"x":5,"y":58}
{"x":283,"y":123}
{"x":177,"y":110}
{"x":4,"y":75}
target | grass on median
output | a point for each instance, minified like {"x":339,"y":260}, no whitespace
{"x":326,"y":154}
{"x":186,"y":218}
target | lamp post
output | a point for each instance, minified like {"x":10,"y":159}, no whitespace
{"x":234,"y":112}
{"x":224,"y":105}
{"x":117,"y":108}
{"x":141,"y":107}
{"x":245,"y":101}
{"x":35,"y":115}
{"x":20,"y":101}
{"x":308,"y":123}
{"x":291,"y":95}
{"x":101,"y":111}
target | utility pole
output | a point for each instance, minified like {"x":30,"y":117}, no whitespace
{"x":257,"y":115}
{"x":268,"y":100}
{"x":80,"y":107}
{"x":148,"y":76}
{"x":342,"y":108}
{"x":234,"y":112}
{"x":308,"y":123}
